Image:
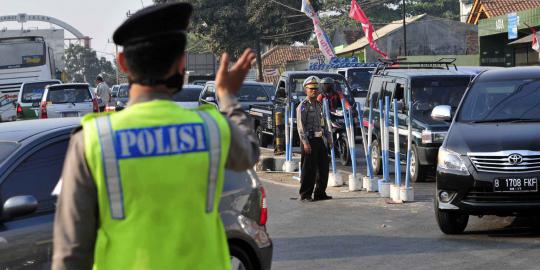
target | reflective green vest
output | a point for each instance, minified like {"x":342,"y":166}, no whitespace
{"x":159,"y":173}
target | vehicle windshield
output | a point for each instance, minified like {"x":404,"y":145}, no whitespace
{"x":32,"y":92}
{"x":188,"y":95}
{"x":298,"y":89}
{"x":500,"y":101}
{"x":21,"y":53}
{"x":70,"y":94}
{"x":359,"y":79}
{"x":6,"y":148}
{"x":123,"y":91}
{"x":269,"y":89}
{"x":252,"y":93}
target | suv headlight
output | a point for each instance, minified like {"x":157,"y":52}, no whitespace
{"x":450,"y":161}
{"x":427,"y":136}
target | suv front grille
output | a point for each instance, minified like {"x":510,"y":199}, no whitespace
{"x":486,"y":195}
{"x":506,"y":161}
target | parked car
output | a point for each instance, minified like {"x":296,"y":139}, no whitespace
{"x":251,"y":93}
{"x":120,"y":100}
{"x":29,"y":98}
{"x":67,"y":100}
{"x":489,"y":164}
{"x":429,"y":88}
{"x":7,"y":112}
{"x":189,"y":96}
{"x":31,"y":161}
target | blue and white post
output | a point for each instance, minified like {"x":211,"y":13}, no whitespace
{"x":371,"y":184}
{"x":364,"y":144}
{"x":354,"y":183}
{"x":406,"y":193}
{"x":384,"y":185}
{"x":395,"y":188}
{"x":290,"y":165}
{"x":334,"y":178}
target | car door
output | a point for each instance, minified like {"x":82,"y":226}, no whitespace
{"x":26,"y":241}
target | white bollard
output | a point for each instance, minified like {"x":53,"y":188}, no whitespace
{"x":290,"y":166}
{"x":406,"y":194}
{"x":335,"y":179}
{"x":384,"y":188}
{"x":365,"y":182}
{"x":354,"y":183}
{"x":372,"y":184}
{"x":395,"y":193}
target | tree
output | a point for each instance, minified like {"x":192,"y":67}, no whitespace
{"x":83,"y":65}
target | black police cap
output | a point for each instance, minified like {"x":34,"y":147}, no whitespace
{"x":153,"y":22}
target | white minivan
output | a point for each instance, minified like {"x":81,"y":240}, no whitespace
{"x":67,"y":100}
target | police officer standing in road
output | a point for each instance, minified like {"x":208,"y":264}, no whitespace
{"x":312,"y":131}
{"x":141,"y":187}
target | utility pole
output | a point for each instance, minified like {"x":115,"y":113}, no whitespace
{"x":260,"y":76}
{"x":404,"y":30}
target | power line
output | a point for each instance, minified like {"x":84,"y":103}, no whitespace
{"x":283,"y":5}
{"x":299,"y":32}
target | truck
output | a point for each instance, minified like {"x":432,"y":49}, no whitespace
{"x":23,"y":59}
{"x":269,"y":119}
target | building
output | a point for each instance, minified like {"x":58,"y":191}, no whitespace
{"x":280,"y":58}
{"x":53,"y":37}
{"x":426,"y":36}
{"x":504,"y":31}
{"x":201,"y":66}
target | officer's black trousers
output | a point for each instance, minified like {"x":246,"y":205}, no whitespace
{"x":316,"y":161}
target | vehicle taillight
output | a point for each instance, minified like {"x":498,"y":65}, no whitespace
{"x":95,"y":105}
{"x":43,"y":109}
{"x":19,"y":108}
{"x":264,"y":209}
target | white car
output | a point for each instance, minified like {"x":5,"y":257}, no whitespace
{"x":67,"y":100}
{"x":7,"y":110}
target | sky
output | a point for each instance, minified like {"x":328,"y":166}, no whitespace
{"x":96,"y":18}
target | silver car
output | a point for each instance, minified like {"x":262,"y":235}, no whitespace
{"x":67,"y":100}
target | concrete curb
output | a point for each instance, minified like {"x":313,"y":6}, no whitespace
{"x":272,"y":163}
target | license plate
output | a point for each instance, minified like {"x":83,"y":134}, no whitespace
{"x":71,"y":114}
{"x":516,"y":184}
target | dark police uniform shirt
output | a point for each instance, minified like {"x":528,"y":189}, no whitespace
{"x":310,"y":121}
{"x":77,"y":181}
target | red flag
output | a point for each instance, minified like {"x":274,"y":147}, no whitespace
{"x":356,"y":13}
{"x":535,"y":44}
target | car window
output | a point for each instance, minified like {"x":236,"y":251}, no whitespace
{"x":123,"y":91}
{"x":252,"y":93}
{"x":70,"y":94}
{"x":6,"y":148}
{"x":269,"y":89}
{"x":33,"y":92}
{"x":374,"y":92}
{"x":359,"y":78}
{"x":4,"y":101}
{"x":500,"y":100}
{"x":37,"y":175}
{"x":187,"y":95}
{"x":209,"y":91}
{"x":430,"y":92}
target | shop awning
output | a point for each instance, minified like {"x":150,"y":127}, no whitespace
{"x":527,"y":39}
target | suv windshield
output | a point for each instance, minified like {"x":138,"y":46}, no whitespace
{"x":252,"y":93}
{"x":188,"y":95}
{"x":69,"y":94}
{"x":427,"y":93}
{"x":32,"y":92}
{"x":298,"y":89}
{"x":501,"y":101}
{"x":359,"y":79}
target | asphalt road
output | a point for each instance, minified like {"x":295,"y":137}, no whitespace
{"x":359,"y":230}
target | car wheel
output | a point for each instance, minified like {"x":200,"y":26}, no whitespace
{"x":450,"y":222}
{"x":416,"y":170}
{"x":376,"y":162}
{"x":264,"y":141}
{"x":240,"y":260}
{"x":343,"y":151}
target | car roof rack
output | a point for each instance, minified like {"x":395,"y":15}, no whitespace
{"x":401,"y":63}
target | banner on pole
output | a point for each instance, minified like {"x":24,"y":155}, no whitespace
{"x":325,"y":45}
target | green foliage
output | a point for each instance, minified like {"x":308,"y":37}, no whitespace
{"x":83,"y":65}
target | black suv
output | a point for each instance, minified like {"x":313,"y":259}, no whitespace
{"x":429,"y":87}
{"x":489,"y":163}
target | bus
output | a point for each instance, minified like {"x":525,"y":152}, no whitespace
{"x":24,"y":59}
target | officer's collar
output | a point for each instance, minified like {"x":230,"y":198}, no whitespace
{"x":146,"y":97}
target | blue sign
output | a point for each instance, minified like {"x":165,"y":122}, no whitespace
{"x":513,"y":25}
{"x":338,"y":62}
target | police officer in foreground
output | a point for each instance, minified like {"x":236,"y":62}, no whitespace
{"x":141,"y":187}
{"x":312,"y":132}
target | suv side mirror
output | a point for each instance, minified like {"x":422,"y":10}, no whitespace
{"x":442,"y":113}
{"x":19,"y":206}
